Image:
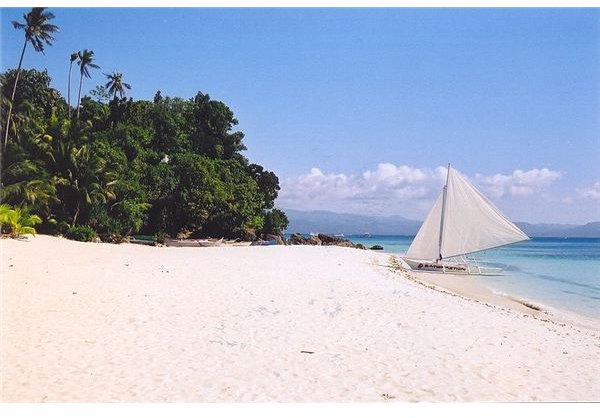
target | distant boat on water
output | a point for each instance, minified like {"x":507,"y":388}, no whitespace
{"x":340,"y":235}
{"x":462,"y":221}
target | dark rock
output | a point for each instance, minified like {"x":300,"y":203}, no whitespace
{"x":297,"y":239}
{"x":340,"y":242}
{"x":279,"y":240}
{"x":377,"y":247}
{"x":113,"y":238}
{"x":248,"y":235}
{"x":185,"y":234}
{"x":346,"y":243}
{"x":313,"y":240}
{"x":331,"y":240}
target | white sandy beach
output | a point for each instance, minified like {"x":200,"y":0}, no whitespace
{"x":86,"y":322}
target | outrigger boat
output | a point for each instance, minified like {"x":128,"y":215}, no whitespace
{"x":462,"y":221}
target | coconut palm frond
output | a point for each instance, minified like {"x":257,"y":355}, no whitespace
{"x":38,"y":30}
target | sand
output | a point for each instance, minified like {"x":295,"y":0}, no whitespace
{"x":86,"y":322}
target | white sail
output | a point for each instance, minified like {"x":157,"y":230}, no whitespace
{"x":470,"y":223}
{"x":425,"y":246}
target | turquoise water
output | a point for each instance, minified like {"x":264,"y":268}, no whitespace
{"x":559,"y":272}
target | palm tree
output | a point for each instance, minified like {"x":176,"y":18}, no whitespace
{"x":73,"y":57}
{"x":37,"y":31}
{"x":116,"y":85}
{"x":85,"y":62}
{"x":83,"y":179}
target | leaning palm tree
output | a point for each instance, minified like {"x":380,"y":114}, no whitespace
{"x":85,"y":63}
{"x":37,"y":32}
{"x":73,"y":57}
{"x":116,"y":85}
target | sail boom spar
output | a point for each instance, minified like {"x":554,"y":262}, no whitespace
{"x":484,"y":249}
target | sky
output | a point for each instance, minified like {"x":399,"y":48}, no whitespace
{"x":359,"y":110}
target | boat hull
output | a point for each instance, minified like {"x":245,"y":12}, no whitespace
{"x":451,"y":267}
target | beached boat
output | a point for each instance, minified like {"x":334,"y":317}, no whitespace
{"x":462,"y":221}
{"x":172,"y":242}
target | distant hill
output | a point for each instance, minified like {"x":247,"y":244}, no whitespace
{"x":545,"y":230}
{"x":589,"y":230}
{"x":347,"y":223}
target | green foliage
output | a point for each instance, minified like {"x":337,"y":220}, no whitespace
{"x":160,"y":236}
{"x":81,"y":233}
{"x":275,"y":222}
{"x":267,"y":182}
{"x":17,"y":222}
{"x":33,"y":89}
{"x":256,"y":223}
{"x":100,"y":94}
{"x":124,"y":167}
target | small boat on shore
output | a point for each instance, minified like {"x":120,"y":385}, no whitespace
{"x":172,"y":242}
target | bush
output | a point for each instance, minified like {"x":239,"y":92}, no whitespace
{"x":17,"y":222}
{"x":160,"y":237}
{"x":81,"y":233}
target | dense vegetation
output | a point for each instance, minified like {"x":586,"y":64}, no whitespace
{"x":121,"y":166}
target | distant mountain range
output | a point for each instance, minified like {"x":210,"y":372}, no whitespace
{"x":346,"y":223}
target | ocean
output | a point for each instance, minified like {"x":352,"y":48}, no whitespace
{"x":559,"y":272}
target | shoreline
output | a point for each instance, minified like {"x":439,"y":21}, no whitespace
{"x":468,"y":287}
{"x":95,"y":322}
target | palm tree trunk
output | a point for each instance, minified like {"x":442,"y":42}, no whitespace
{"x":69,"y":92}
{"x":79,"y":95}
{"x":12,"y":97}
{"x":76,"y":214}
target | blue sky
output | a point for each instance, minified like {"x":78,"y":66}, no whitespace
{"x":356,"y":109}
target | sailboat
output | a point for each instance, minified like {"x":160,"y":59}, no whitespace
{"x":462,"y":221}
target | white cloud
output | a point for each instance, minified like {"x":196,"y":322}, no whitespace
{"x":519,"y":183}
{"x":590,"y":192}
{"x":400,"y":189}
{"x":386,"y":187}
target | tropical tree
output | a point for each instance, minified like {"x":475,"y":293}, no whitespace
{"x":86,"y":59}
{"x":37,"y":32}
{"x":82,"y":179}
{"x":275,"y":222}
{"x":116,"y":85}
{"x":72,"y":58}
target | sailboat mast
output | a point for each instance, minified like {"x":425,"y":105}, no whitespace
{"x":443,"y":214}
